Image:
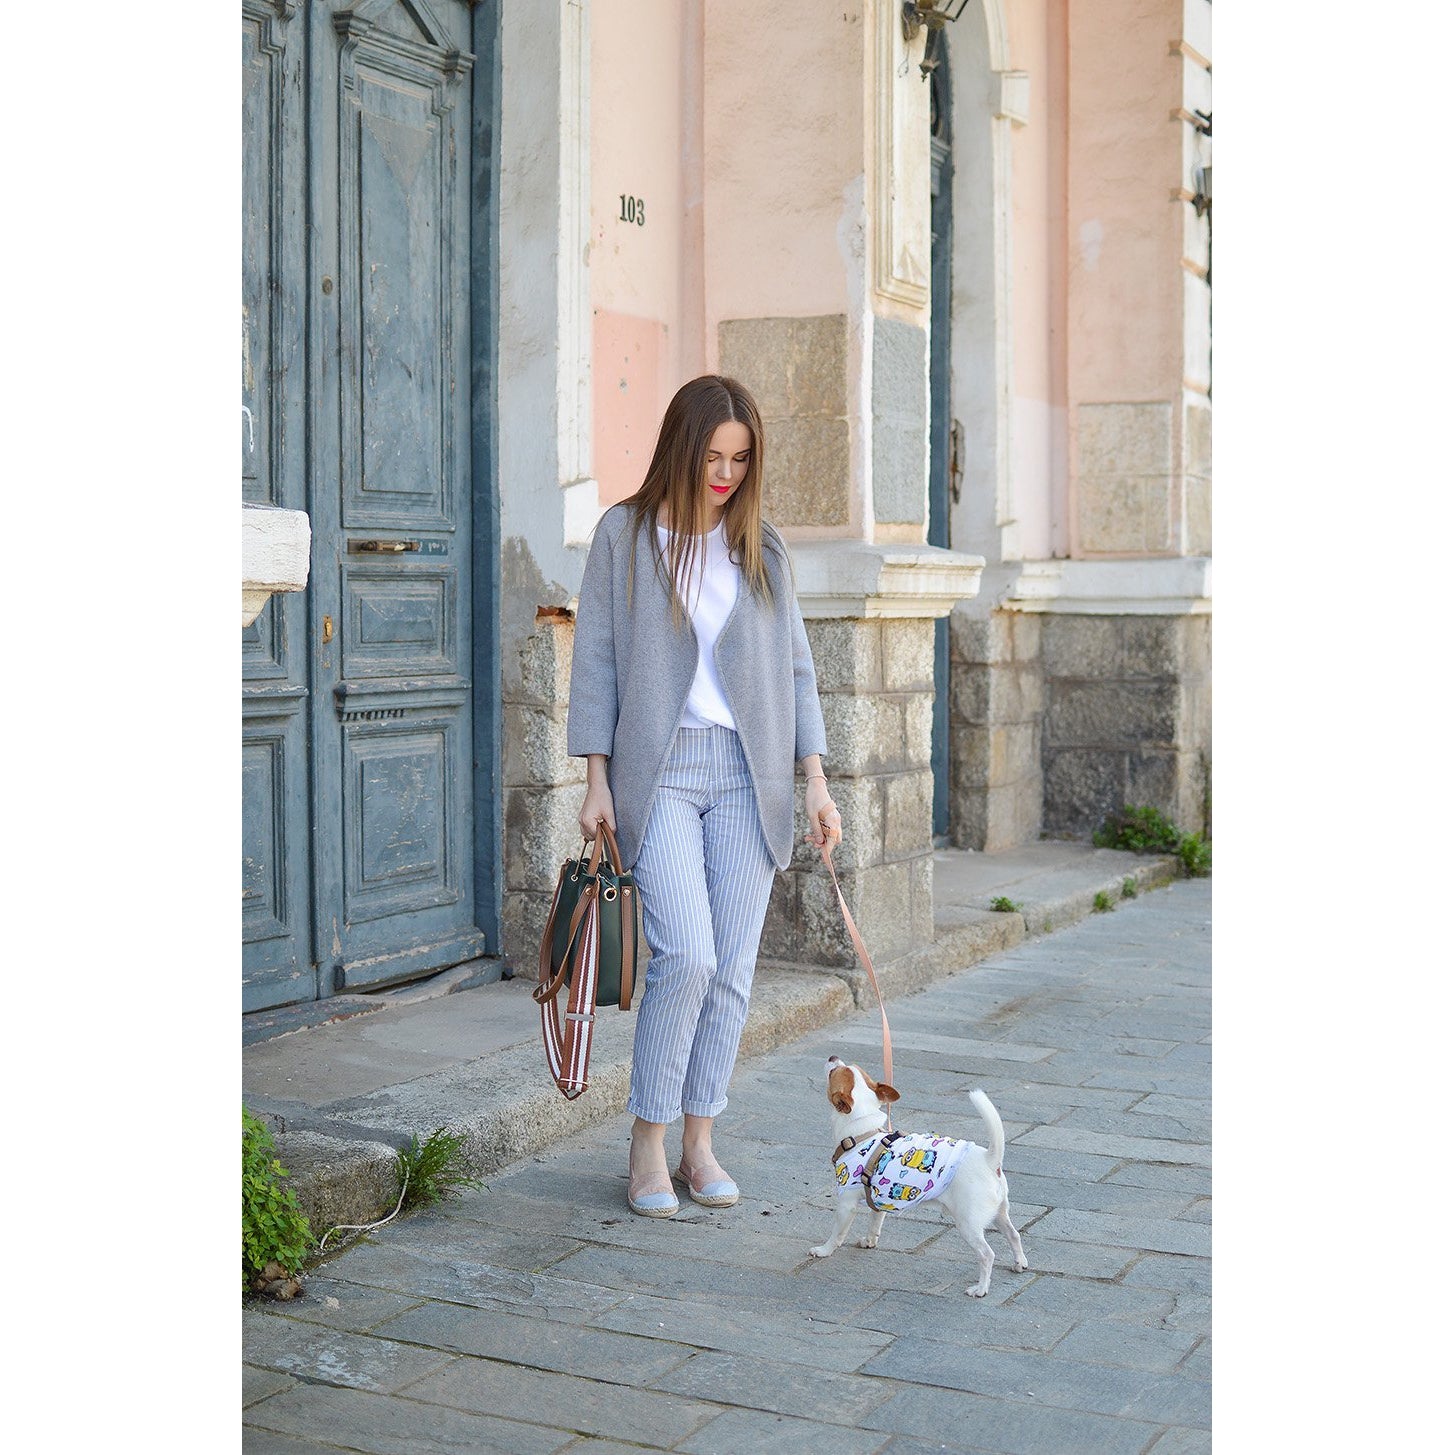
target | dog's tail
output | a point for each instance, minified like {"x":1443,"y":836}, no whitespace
{"x":991,"y":1118}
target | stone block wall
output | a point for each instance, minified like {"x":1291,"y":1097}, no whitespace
{"x":1128,"y":719}
{"x":542,"y":785}
{"x":797,"y":371}
{"x":996,"y":709}
{"x":876,"y":683}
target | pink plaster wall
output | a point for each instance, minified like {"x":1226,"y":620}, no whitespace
{"x":629,"y":390}
{"x":1124,"y":243}
{"x":1036,"y":32}
{"x":783,"y":137}
{"x":639,"y":272}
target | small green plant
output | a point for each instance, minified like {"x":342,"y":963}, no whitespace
{"x":432,"y":1169}
{"x":1196,"y":855}
{"x":274,"y":1229}
{"x":1129,"y":887}
{"x":1004,"y":905}
{"x":1141,"y":830}
{"x":1102,"y":902}
{"x":1146,"y":830}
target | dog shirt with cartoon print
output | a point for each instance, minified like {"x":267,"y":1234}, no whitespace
{"x":908,"y":1167}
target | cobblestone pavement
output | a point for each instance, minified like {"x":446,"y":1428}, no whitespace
{"x":536,"y":1314}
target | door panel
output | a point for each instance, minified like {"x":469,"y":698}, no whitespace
{"x":393,"y":717}
{"x":276,"y":917}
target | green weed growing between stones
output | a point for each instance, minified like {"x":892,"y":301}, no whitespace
{"x":1129,"y":887}
{"x":432,"y":1169}
{"x":1004,"y":905}
{"x":1146,"y":830}
{"x":275,"y":1234}
{"x":1102,"y":902}
{"x":1196,"y":855}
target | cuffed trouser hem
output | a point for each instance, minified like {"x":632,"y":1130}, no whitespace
{"x":661,"y":1118}
{"x":704,"y":1108}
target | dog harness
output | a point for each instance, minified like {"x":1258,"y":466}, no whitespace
{"x":897,"y":1168}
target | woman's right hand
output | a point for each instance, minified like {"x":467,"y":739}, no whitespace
{"x":596,"y":806}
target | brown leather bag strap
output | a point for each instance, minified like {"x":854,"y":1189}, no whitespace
{"x":549,"y":984}
{"x":630,"y":907}
{"x":827,"y":851}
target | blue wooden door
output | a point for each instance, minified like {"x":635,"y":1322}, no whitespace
{"x":941,"y":465}
{"x":277,"y":910}
{"x":386,"y":654}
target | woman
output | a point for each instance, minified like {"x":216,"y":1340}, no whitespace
{"x":690,"y":706}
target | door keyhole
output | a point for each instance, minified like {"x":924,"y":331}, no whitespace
{"x":327,"y":630}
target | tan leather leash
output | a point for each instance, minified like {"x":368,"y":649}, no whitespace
{"x":827,"y":851}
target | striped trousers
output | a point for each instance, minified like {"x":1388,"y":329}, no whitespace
{"x":705,"y":874}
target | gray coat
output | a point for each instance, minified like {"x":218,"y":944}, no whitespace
{"x":632,"y":669}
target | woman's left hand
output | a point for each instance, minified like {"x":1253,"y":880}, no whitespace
{"x":823,"y":815}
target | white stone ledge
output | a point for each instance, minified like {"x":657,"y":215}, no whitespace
{"x":1176,"y":586}
{"x":869,"y":579}
{"x":274,"y":555}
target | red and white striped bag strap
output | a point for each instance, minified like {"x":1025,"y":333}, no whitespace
{"x":568,"y":1055}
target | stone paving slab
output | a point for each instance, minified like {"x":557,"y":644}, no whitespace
{"x":766,"y":1434}
{"x":334,"y":1356}
{"x":260,"y":1383}
{"x":763,"y":1383}
{"x":730,"y":1287}
{"x":957,"y":1421}
{"x":539,"y":1302}
{"x":655,"y":1418}
{"x":456,"y":1281}
{"x":1180,"y":1275}
{"x":356,"y":1420}
{"x":257,"y":1441}
{"x":341,"y":1304}
{"x":1138,"y":1149}
{"x":536,"y":1343}
{"x":792,"y":1336}
{"x":1157,"y":1235}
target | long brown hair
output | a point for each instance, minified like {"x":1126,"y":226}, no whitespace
{"x":675,"y":481}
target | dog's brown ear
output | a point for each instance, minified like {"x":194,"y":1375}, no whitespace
{"x":885,"y":1092}
{"x":841,"y":1089}
{"x":841,"y":1103}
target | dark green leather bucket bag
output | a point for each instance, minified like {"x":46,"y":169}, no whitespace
{"x":591,"y":944}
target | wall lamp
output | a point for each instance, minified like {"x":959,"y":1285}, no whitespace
{"x":932,"y":13}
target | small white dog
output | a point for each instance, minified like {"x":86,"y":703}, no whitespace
{"x":893,"y":1169}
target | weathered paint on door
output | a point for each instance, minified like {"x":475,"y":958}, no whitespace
{"x":277,"y":890}
{"x":941,"y":171}
{"x":382,"y":647}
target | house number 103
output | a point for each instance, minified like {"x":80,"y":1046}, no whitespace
{"x":633,"y":209}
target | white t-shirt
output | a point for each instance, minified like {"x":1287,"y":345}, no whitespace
{"x":709,"y":597}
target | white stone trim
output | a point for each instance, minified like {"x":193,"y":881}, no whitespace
{"x":982,"y":366}
{"x":1015,"y":97}
{"x":544,"y":443}
{"x":573,"y":278}
{"x":275,"y":545}
{"x":1160,"y":586}
{"x":900,"y":185}
{"x":581,"y":507}
{"x":865,"y":579}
